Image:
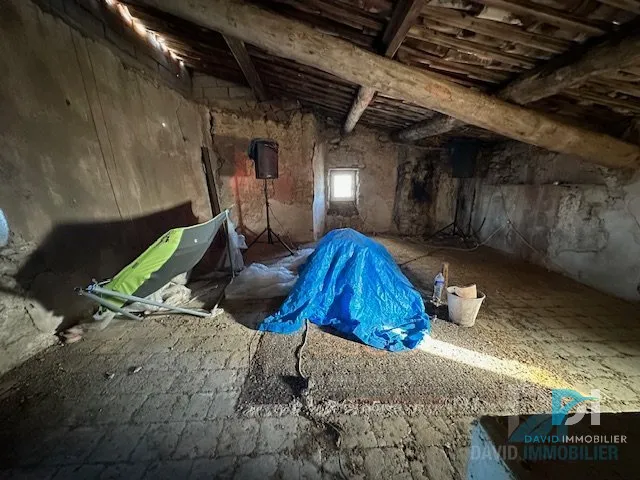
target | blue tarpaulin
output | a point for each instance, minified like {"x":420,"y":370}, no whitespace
{"x":351,"y":283}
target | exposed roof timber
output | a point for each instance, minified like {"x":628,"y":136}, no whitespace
{"x":506,"y":32}
{"x":427,"y":128}
{"x":628,"y":5}
{"x":246,"y":65}
{"x":404,"y":16}
{"x":359,"y":105}
{"x":472,"y":47}
{"x":611,"y":53}
{"x":290,"y":39}
{"x":471,"y":71}
{"x":576,"y":66}
{"x":548,"y":15}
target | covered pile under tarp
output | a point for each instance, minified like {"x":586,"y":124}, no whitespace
{"x":352,"y":284}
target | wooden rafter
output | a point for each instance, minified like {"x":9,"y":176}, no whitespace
{"x":404,"y":16}
{"x":547,"y":15}
{"x":575,"y":68}
{"x":571,"y":70}
{"x":427,"y":128}
{"x":241,"y":55}
{"x":505,"y":32}
{"x":293,"y":40}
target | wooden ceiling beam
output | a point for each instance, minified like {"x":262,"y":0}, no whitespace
{"x":246,"y":65}
{"x":576,"y":67}
{"x":572,"y":69}
{"x":404,"y":16}
{"x":291,"y":39}
{"x":505,"y":32}
{"x":427,"y":128}
{"x":548,"y":15}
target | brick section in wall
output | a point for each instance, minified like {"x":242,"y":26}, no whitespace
{"x":97,"y":21}
{"x":209,"y":90}
{"x":223,"y":95}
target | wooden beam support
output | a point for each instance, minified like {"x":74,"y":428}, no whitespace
{"x":404,"y":16}
{"x":293,"y":40}
{"x":427,"y":128}
{"x":359,"y":105}
{"x":554,"y":17}
{"x":246,"y":65}
{"x":572,"y":69}
{"x":575,"y":68}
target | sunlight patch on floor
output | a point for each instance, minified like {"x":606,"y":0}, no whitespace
{"x":512,"y":368}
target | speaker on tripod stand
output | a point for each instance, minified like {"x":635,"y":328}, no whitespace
{"x":264,"y":152}
{"x":462,"y":154}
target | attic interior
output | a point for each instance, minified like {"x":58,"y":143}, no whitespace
{"x":306,"y":187}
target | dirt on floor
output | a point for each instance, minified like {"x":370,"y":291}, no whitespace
{"x":183,"y":397}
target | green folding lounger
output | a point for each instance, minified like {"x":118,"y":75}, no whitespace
{"x":174,"y":253}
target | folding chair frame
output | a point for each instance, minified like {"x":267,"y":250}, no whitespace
{"x":94,"y":290}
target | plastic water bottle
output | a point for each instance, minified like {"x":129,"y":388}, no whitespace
{"x":438,"y":287}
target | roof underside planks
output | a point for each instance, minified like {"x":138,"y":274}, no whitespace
{"x":483,"y":45}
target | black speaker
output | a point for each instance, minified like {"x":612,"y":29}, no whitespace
{"x":264,"y":152}
{"x":462,"y":154}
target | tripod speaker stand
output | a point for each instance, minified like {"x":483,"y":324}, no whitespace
{"x":462,"y":154}
{"x":264,"y":153}
{"x":269,"y":231}
{"x":453,"y":229}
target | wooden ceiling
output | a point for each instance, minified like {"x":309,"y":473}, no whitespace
{"x":481,"y":44}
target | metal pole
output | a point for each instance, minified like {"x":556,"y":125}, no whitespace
{"x":108,"y":305}
{"x":266,"y":201}
{"x":95,"y":288}
{"x":228,"y":232}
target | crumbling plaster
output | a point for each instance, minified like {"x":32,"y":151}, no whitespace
{"x":568,"y":215}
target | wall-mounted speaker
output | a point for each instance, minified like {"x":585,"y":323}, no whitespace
{"x":264,"y":152}
{"x":462,"y":154}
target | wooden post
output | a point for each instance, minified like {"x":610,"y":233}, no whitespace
{"x":360,"y":104}
{"x":444,"y":269}
{"x":293,"y":40}
{"x":404,"y":15}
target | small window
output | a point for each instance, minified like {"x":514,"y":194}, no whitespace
{"x":343,"y":185}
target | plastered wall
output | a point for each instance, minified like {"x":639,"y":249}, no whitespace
{"x":291,"y":196}
{"x":570,"y":216}
{"x":97,"y":159}
{"x":376,"y":159}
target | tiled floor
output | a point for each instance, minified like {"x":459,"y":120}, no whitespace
{"x":78,"y":411}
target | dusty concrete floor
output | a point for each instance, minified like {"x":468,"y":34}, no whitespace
{"x":211,"y":399}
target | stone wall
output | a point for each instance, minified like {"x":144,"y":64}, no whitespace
{"x":291,"y":196}
{"x":425,"y":193}
{"x":568,"y":215}
{"x":97,"y":159}
{"x":376,"y":159}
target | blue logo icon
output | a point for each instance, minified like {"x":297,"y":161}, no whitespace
{"x":541,"y":426}
{"x":560,"y":412}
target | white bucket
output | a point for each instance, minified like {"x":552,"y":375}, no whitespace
{"x":463,"y":311}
